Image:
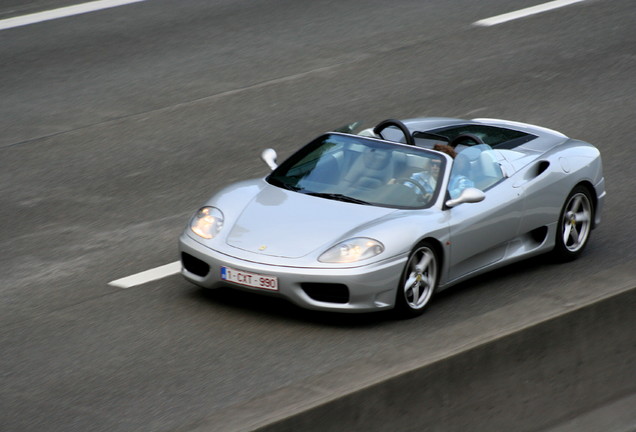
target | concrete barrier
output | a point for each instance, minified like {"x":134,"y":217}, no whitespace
{"x":543,"y":364}
{"x":525,"y":381}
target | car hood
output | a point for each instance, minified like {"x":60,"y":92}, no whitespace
{"x":282,"y":223}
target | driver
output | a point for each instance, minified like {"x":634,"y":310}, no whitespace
{"x":427,"y":179}
{"x":423,"y":182}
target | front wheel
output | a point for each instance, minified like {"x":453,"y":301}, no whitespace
{"x":575,"y":225}
{"x":418,"y":281}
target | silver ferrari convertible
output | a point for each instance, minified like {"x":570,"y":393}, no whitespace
{"x":386,"y":217}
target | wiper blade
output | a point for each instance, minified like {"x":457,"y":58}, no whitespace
{"x":290,"y":187}
{"x":334,"y":196}
{"x":338,"y":197}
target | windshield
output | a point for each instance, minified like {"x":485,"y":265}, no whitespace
{"x":363,"y":171}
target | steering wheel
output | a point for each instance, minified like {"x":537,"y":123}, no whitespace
{"x":461,"y":139}
{"x":398,"y":124}
{"x":419,"y":189}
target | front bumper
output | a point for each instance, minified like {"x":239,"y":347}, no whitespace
{"x":371,"y":287}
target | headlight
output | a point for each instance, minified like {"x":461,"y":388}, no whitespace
{"x":352,"y":250}
{"x":207,"y":222}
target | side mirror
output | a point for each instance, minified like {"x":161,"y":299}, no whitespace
{"x":468,"y":195}
{"x":348,"y":128}
{"x":269,"y":157}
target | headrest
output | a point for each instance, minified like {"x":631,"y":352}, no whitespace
{"x":376,"y":159}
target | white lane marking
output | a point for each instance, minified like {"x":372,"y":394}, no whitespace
{"x":148,"y":275}
{"x":522,"y":13}
{"x":62,"y":12}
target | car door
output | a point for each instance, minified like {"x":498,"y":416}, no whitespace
{"x":480,"y":232}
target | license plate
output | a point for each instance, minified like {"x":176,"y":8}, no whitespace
{"x":253,"y":280}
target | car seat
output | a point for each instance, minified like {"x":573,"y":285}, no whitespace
{"x":371,"y":169}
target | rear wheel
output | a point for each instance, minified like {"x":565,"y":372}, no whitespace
{"x":418,"y":281}
{"x":575,"y":224}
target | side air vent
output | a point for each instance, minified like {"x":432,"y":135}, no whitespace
{"x":541,"y":167}
{"x":538,"y":235}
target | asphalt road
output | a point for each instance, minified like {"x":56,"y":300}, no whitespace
{"x":115,"y":125}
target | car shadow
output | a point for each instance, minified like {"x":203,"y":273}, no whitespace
{"x":520,"y":269}
{"x":278,"y":308}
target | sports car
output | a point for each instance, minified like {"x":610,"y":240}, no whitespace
{"x":386,"y":217}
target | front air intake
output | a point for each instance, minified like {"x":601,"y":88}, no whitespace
{"x":194,"y":265}
{"x":326,"y":292}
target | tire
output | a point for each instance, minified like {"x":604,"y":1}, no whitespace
{"x":575,"y":225}
{"x":418,"y":281}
